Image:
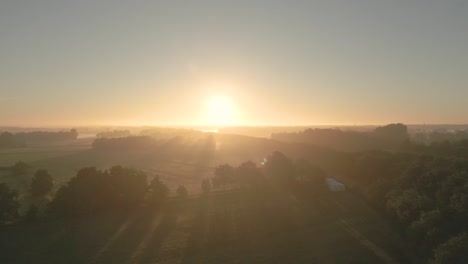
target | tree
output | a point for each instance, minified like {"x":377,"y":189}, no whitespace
{"x":280,"y":169}
{"x":425,"y":233}
{"x":249,"y":175}
{"x":8,"y":203}
{"x":85,"y":194}
{"x":42,"y":184}
{"x":206,"y":186}
{"x":308,"y":173}
{"x":73,"y":134}
{"x":8,"y":140}
{"x":407,"y":205}
{"x":129,"y":185}
{"x":158,"y":191}
{"x":182,"y":191}
{"x":224,"y":175}
{"x":393,"y":132}
{"x":453,"y":251}
{"x":19,"y":169}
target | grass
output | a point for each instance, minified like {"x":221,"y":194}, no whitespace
{"x":31,"y":154}
{"x":230,"y":227}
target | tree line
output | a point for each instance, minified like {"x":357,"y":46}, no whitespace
{"x":90,"y":192}
{"x":387,"y":137}
{"x":10,"y":140}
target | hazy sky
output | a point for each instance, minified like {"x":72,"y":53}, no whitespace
{"x":277,"y":62}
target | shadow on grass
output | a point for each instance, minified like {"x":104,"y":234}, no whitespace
{"x":57,"y":241}
{"x":168,"y":222}
{"x":199,"y":230}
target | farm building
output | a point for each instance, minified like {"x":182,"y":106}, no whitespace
{"x":334,"y":185}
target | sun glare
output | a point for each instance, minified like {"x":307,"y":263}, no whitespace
{"x":219,"y":110}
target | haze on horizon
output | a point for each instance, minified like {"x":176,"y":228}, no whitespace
{"x":240,"y":62}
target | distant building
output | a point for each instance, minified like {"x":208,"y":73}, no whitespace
{"x":334,"y":185}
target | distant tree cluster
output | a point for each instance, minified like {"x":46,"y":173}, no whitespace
{"x":164,"y":133}
{"x":114,"y":134}
{"x":387,"y":137}
{"x":201,"y":147}
{"x":124,"y":143}
{"x":41,"y":136}
{"x":9,"y":140}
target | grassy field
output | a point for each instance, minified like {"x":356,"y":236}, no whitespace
{"x":32,"y":154}
{"x":63,"y":161}
{"x":223,"y":228}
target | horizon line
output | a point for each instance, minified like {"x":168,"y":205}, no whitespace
{"x":225,"y":126}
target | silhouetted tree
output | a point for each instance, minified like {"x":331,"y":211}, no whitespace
{"x":42,"y":184}
{"x":206,"y":186}
{"x":129,"y":186}
{"x":280,"y":169}
{"x":19,"y":169}
{"x":8,"y":140}
{"x":249,"y":175}
{"x":393,"y":132}
{"x":73,"y":134}
{"x":182,"y":191}
{"x":224,"y":175}
{"x":158,"y":191}
{"x":8,"y":203}
{"x":92,"y":191}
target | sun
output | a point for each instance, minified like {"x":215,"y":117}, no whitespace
{"x":219,"y":110}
